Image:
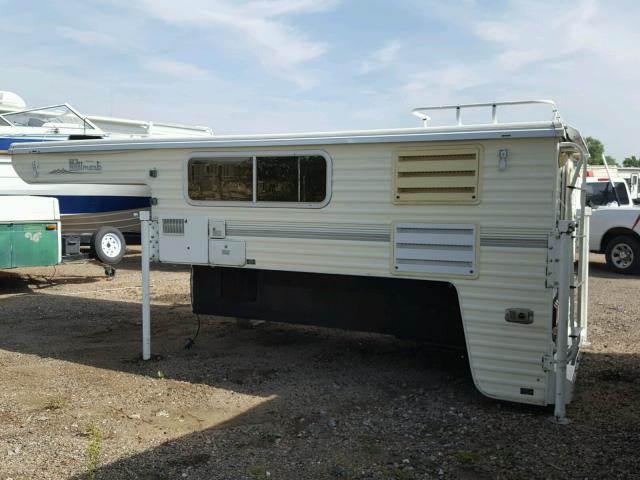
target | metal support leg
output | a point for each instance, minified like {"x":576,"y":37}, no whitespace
{"x":145,"y":217}
{"x":565,"y":230}
{"x":584,"y":266}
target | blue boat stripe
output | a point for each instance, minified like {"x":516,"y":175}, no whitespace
{"x":71,"y":204}
{"x":5,"y":142}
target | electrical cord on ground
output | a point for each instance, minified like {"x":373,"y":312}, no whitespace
{"x":48,"y":280}
{"x":192,"y":341}
{"x":53,"y":275}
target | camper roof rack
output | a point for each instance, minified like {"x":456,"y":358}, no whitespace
{"x":420,"y":112}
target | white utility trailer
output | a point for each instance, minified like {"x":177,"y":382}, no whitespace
{"x":463,"y":232}
{"x":29,"y":232}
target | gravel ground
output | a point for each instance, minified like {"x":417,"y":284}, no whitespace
{"x":281,"y":401}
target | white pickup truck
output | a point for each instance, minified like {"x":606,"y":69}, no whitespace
{"x":615,"y":228}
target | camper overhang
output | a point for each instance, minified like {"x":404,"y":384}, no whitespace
{"x":432,"y":134}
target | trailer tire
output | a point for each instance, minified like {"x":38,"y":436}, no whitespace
{"x":623,"y":254}
{"x":108,"y":245}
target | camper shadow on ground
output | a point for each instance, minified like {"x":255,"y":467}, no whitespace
{"x":292,"y":372}
{"x":307,"y":390}
{"x":39,"y":279}
{"x":132,"y":262}
{"x":299,"y":402}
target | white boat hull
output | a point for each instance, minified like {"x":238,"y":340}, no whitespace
{"x":84,"y":207}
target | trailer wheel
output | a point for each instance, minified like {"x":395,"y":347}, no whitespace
{"x":623,"y":254}
{"x":108,"y":245}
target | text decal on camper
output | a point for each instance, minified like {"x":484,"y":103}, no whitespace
{"x":79,"y":166}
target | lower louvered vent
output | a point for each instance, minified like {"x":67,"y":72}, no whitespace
{"x":173,"y":226}
{"x":430,"y":248}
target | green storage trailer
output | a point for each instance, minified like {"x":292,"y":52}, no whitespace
{"x":29,"y":232}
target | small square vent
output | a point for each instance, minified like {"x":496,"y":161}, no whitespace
{"x":430,"y":248}
{"x":437,"y":176}
{"x":173,"y":226}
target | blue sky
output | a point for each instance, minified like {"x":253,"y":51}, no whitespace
{"x":250,"y":66}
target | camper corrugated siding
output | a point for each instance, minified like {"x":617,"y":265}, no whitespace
{"x":516,"y":206}
{"x":352,"y":235}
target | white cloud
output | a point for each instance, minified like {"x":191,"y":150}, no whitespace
{"x":382,"y":58}
{"x":272,"y":8}
{"x":87,"y":37}
{"x":584,"y":55}
{"x":173,"y":68}
{"x":440,"y":84}
{"x":257,"y":25}
{"x":536,"y":32}
{"x":221,"y":62}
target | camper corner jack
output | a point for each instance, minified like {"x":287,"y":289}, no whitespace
{"x":145,"y":220}
{"x":564,"y":230}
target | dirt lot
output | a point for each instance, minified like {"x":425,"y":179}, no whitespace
{"x":279,"y":401}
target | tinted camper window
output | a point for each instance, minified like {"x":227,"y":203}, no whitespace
{"x":292,"y":179}
{"x":221,"y":179}
{"x":286,"y":179}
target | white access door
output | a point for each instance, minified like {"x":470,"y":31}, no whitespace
{"x":183,"y":239}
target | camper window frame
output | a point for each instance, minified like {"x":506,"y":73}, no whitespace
{"x":256,"y":203}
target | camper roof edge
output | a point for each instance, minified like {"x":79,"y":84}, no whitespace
{"x":528,"y":130}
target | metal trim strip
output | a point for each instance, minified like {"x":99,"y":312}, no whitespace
{"x":514,"y":242}
{"x":381,"y":234}
{"x":312,"y":234}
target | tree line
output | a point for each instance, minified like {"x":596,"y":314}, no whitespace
{"x":596,"y":149}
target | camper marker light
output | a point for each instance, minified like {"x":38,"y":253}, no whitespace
{"x":51,"y":227}
{"x":503,"y":154}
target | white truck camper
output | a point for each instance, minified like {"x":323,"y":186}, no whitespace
{"x":465,"y":233}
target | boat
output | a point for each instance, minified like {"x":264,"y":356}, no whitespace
{"x":85,"y":208}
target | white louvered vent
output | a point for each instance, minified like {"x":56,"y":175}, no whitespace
{"x":437,"y":175}
{"x":173,"y":226}
{"x":431,"y":248}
